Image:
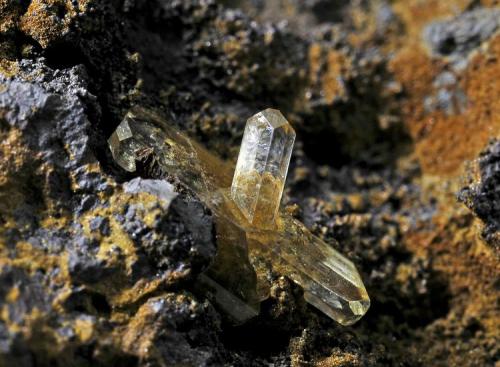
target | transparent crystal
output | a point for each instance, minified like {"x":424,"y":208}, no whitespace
{"x":262,"y":166}
{"x":248,"y":255}
{"x":330,"y":282}
{"x":123,"y":146}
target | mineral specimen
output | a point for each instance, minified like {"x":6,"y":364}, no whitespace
{"x":120,"y":150}
{"x":262,"y":166}
{"x":248,"y":254}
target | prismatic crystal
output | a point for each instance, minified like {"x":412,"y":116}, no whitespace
{"x":262,"y":166}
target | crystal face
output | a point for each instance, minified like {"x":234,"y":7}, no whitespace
{"x":262,"y":166}
{"x":121,"y":145}
{"x":248,"y":255}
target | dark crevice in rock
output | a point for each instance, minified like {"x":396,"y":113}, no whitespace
{"x":65,"y":55}
{"x":330,"y":10}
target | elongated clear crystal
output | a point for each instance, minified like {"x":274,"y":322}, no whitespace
{"x":262,"y":166}
{"x":330,"y":281}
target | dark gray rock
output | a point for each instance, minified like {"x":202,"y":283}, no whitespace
{"x":182,"y":238}
{"x":101,"y":225}
{"x":178,"y":322}
{"x":86,"y":268}
{"x":49,"y":108}
{"x":450,"y":100}
{"x":483,"y":197}
{"x":13,"y":350}
{"x":457,"y":37}
{"x":48,"y":105}
{"x":31,"y":292}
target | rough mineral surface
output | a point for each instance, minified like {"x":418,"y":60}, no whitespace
{"x":395,"y":106}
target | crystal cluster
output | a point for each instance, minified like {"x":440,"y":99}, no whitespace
{"x":254,"y":238}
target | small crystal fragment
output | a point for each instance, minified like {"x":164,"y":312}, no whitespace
{"x":123,"y":146}
{"x":239,"y":311}
{"x":262,"y":166}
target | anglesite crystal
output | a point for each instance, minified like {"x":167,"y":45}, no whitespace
{"x":262,"y":166}
{"x":249,"y":254}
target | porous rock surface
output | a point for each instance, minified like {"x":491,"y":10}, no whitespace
{"x":394,"y":104}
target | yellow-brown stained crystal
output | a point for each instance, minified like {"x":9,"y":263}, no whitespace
{"x":247,"y":254}
{"x":262,"y":166}
{"x":122,"y":147}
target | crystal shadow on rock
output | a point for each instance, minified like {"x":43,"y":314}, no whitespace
{"x":241,"y":274}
